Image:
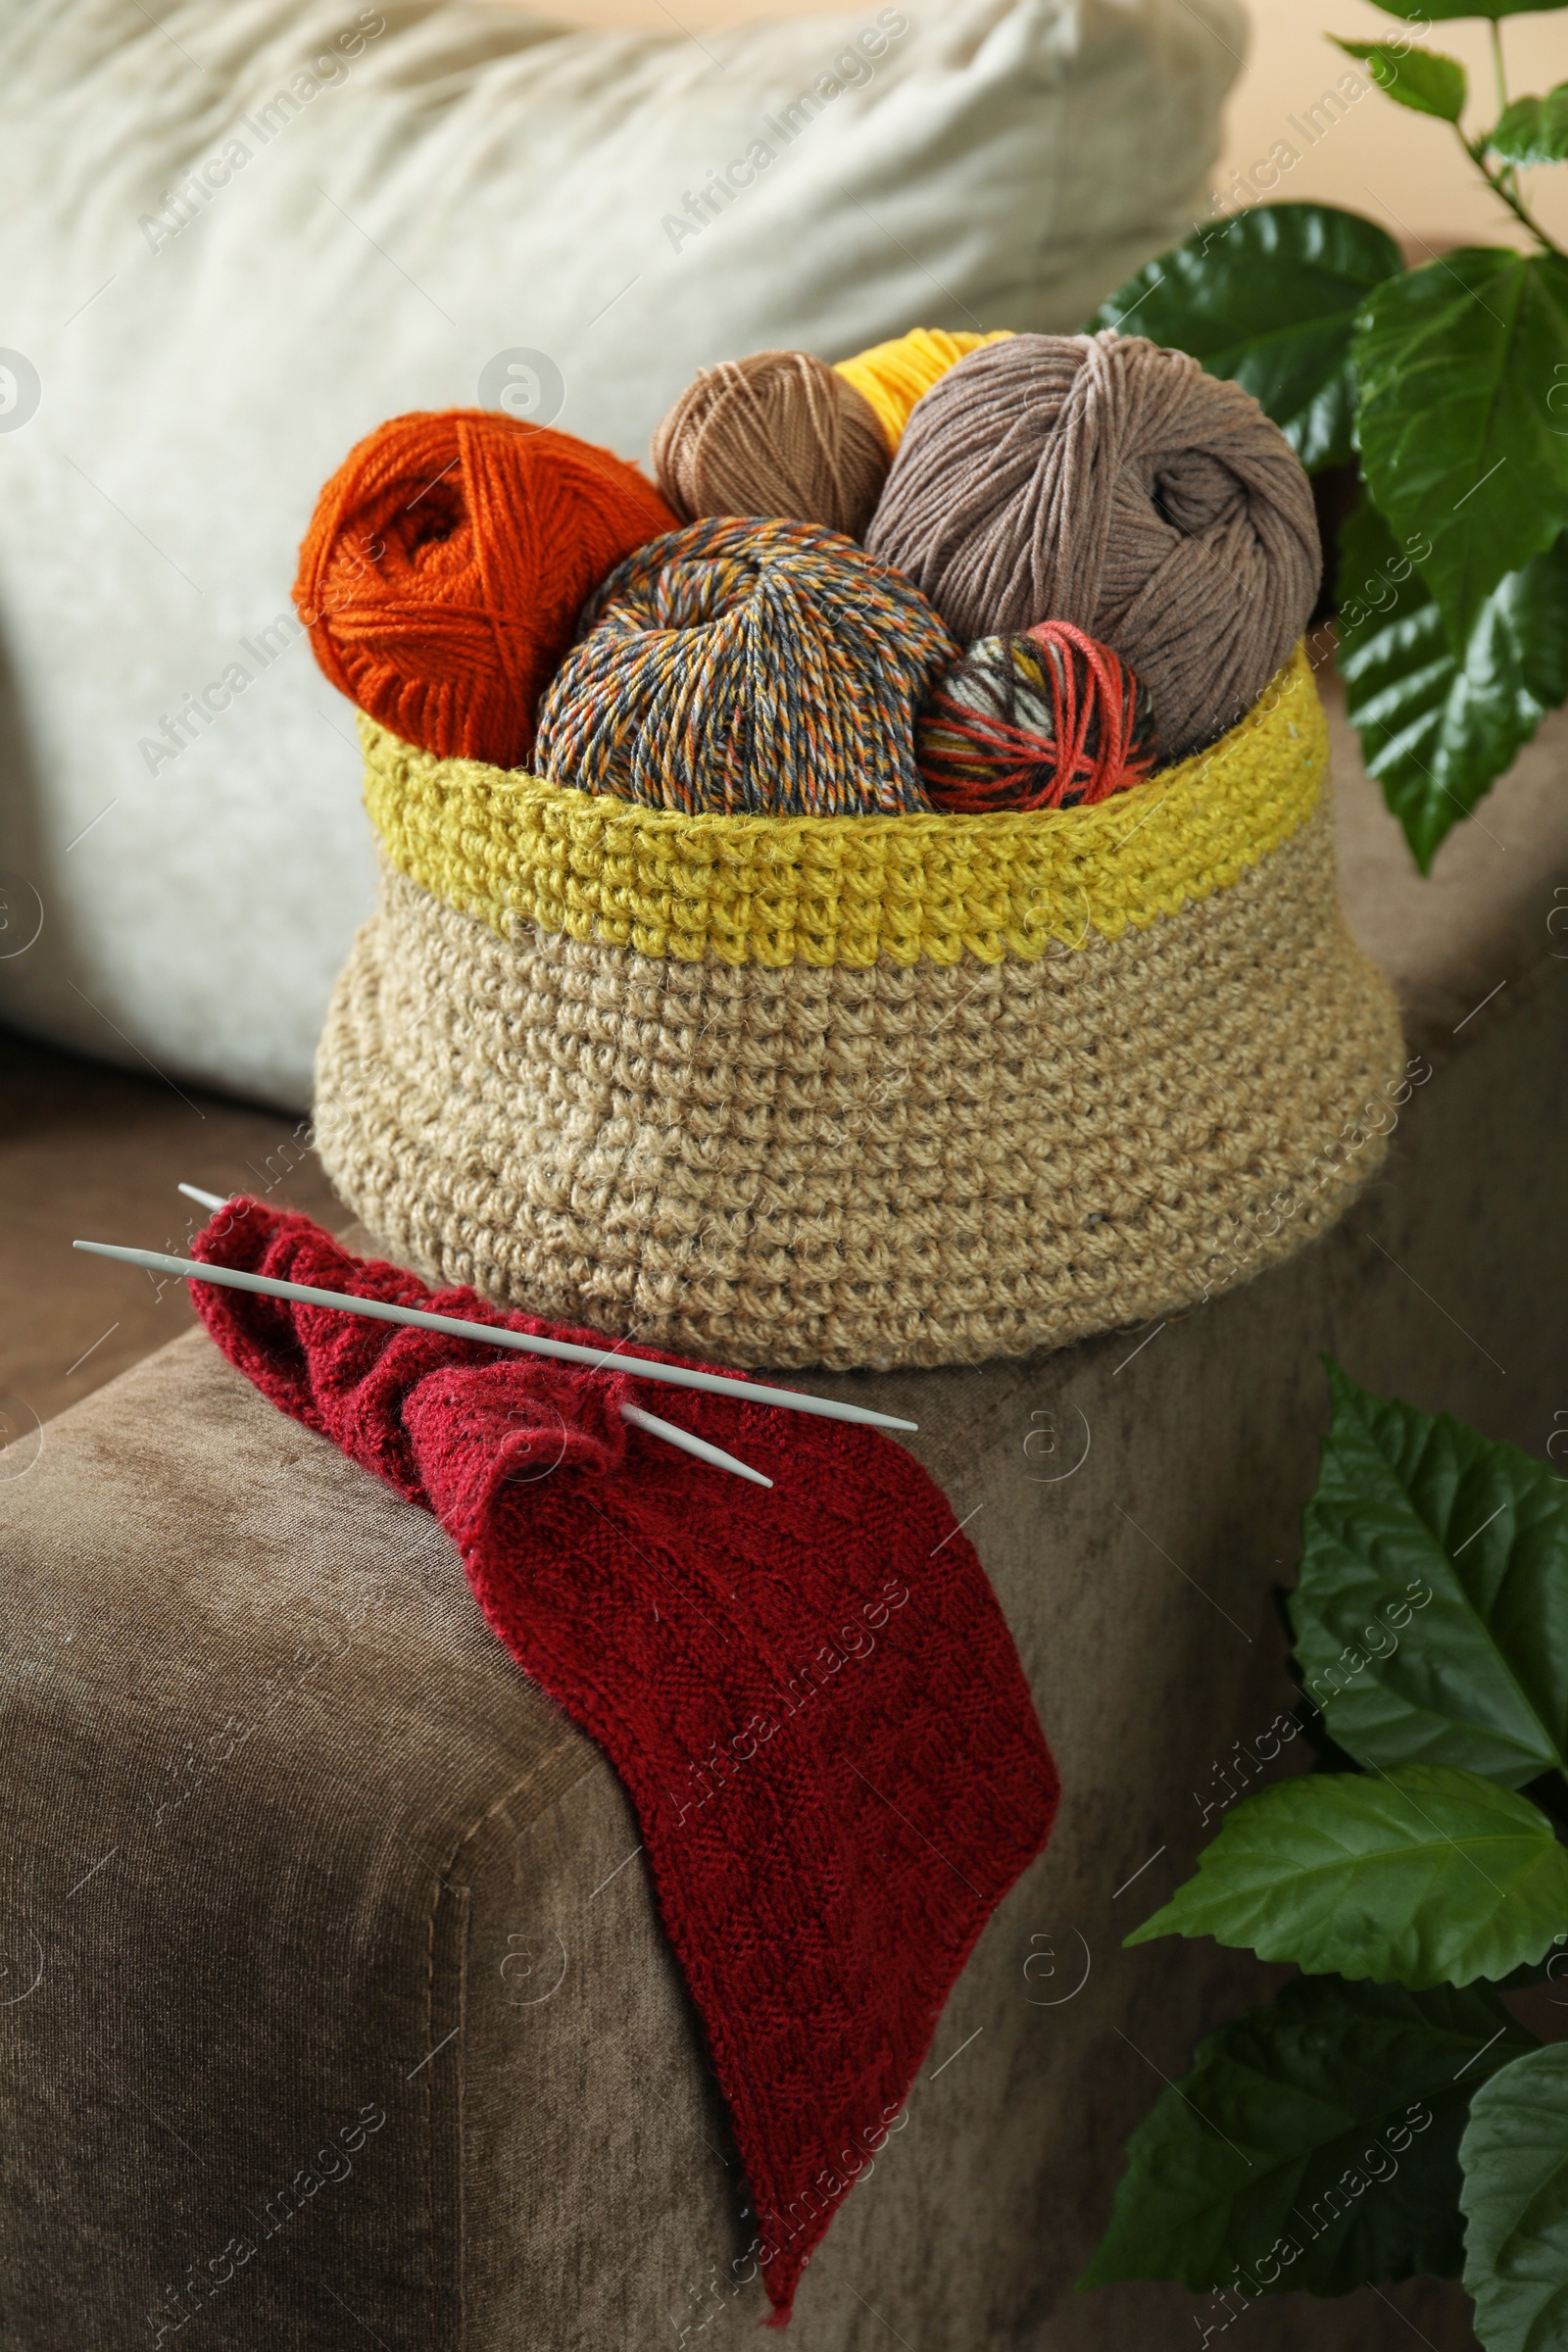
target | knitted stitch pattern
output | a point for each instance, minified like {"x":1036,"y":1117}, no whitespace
{"x":810,"y":1695}
{"x":846,"y":891}
{"x":915,"y":1163}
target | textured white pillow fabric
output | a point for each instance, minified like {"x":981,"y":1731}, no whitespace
{"x":235,"y":238}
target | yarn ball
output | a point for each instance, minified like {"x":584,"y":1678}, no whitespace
{"x":893,"y":377}
{"x":745,"y":668}
{"x":1102,"y":480}
{"x":776,"y":435}
{"x":445,"y":566}
{"x":1048,"y":719}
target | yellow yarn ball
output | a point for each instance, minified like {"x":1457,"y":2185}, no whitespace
{"x":892,"y":376}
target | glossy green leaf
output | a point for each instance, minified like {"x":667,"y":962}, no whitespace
{"x":1534,"y":130}
{"x":1423,"y":80}
{"x":1427,"y":12}
{"x":1438,"y":729}
{"x":1456,"y":366}
{"x":1423,"y":1876}
{"x":1514,"y":2156}
{"x":1315,"y":2144}
{"x":1269,"y":297}
{"x":1431,"y":1615}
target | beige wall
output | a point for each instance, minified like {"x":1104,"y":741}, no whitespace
{"x":1405,"y":169}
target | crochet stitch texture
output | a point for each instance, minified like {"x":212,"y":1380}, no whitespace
{"x":907,"y":1165}
{"x":929,"y":1122}
{"x":810,"y":1695}
{"x":779,"y":890}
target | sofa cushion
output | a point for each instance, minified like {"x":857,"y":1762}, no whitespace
{"x":242,"y":235}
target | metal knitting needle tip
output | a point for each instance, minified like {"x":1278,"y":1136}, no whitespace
{"x":203,"y":1199}
{"x":712,"y":1454}
{"x":614,"y":1357}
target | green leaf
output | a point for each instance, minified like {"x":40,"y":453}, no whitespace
{"x":1329,"y":2120}
{"x":1421,"y":78}
{"x":1515,"y":2199}
{"x":1436,"y":729}
{"x":1534,"y":130}
{"x":1269,"y":297}
{"x":1424,"y":11}
{"x":1423,"y":1875}
{"x":1456,"y":365}
{"x":1447,"y":1554}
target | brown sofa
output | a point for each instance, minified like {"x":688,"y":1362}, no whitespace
{"x":335,"y":2010}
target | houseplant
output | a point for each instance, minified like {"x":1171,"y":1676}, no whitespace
{"x":1446,"y":385}
{"x":1386,"y":2113}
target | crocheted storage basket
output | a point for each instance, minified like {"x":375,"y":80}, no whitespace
{"x":907,"y":1090}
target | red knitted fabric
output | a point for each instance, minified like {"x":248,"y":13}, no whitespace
{"x":810,"y":1695}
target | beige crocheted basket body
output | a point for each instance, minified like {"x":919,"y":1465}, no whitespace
{"x":913,"y":1090}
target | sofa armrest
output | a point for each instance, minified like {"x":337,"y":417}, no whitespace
{"x":334,"y":2002}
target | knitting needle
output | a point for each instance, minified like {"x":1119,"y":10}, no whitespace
{"x":714,"y":1456}
{"x":598,"y":1359}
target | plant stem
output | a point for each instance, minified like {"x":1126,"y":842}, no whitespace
{"x":1474,"y":149}
{"x":1499,"y":76}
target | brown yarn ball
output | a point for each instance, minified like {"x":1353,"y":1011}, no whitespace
{"x":780,"y":436}
{"x":1101,"y":480}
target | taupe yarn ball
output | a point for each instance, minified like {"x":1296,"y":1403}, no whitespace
{"x":1102,"y":480}
{"x":777,"y":436}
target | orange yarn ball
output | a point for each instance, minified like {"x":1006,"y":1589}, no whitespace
{"x":447,"y":561}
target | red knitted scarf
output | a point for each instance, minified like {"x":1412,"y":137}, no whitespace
{"x":810,"y":1695}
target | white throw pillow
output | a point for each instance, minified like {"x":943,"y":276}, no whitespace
{"x":236,"y":237}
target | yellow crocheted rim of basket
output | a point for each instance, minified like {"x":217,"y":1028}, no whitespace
{"x":504,"y":846}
